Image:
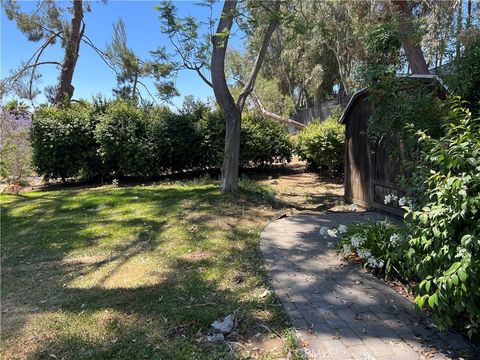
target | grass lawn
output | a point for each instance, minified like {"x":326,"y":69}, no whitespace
{"x":136,"y":272}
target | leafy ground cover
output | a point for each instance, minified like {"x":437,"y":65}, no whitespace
{"x":137,"y":272}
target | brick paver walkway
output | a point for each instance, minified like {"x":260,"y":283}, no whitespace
{"x":339,"y":310}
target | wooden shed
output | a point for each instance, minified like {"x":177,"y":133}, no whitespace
{"x":371,"y":173}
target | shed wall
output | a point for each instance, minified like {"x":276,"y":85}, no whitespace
{"x":357,"y":154}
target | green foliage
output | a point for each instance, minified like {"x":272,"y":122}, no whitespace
{"x":444,"y":225}
{"x":380,"y":55}
{"x":63,"y":142}
{"x":381,"y":245}
{"x":263,"y":142}
{"x":463,"y":75}
{"x":400,"y":101}
{"x":321,"y":144}
{"x":121,"y":139}
{"x":212,"y":143}
{"x":439,"y":244}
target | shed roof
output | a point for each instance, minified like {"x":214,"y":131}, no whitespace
{"x":363,"y":92}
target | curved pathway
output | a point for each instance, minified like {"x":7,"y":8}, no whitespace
{"x":339,"y":310}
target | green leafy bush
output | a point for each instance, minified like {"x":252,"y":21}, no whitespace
{"x":444,"y":225}
{"x":399,"y":101}
{"x":63,"y":143}
{"x":211,"y":126}
{"x":463,"y":75}
{"x":122,"y":136}
{"x":263,"y":142}
{"x":120,"y":139}
{"x":321,"y":144}
{"x":381,"y":246}
{"x":179,"y":143}
{"x":439,"y":244}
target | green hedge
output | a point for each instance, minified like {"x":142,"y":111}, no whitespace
{"x":63,"y":142}
{"x":120,"y":139}
{"x":321,"y":144}
{"x":263,"y":142}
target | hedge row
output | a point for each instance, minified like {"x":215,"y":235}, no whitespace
{"x":121,"y":139}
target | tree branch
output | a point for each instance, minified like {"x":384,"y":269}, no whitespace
{"x":248,"y":88}
{"x":284,"y":119}
{"x":208,"y":82}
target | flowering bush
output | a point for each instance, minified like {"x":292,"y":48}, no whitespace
{"x":380,"y":246}
{"x":15,"y":150}
{"x":439,"y":244}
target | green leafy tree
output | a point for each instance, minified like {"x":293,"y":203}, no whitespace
{"x":47,"y":25}
{"x":199,"y":55}
{"x":131,"y":70}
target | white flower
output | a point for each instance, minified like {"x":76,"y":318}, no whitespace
{"x":323,"y":231}
{"x":342,"y":229}
{"x":362,"y":240}
{"x":388,"y":199}
{"x":347,"y":249}
{"x":372,"y":262}
{"x":332,"y":233}
{"x":394,"y":239}
{"x":353,"y":207}
{"x":364,"y":254}
{"x":394,"y":197}
{"x":402,"y":201}
{"x":357,"y":241}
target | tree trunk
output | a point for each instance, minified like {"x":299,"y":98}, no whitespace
{"x":469,"y":14}
{"x":233,"y":110}
{"x":412,"y":49}
{"x":225,"y":100}
{"x":231,"y":160}
{"x":65,"y":88}
{"x":459,"y":30}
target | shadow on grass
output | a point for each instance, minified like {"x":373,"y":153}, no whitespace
{"x":131,"y":272}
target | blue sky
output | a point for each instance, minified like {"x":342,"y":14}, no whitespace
{"x":92,"y":76}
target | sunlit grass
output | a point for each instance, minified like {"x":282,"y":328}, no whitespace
{"x":134,"y":272}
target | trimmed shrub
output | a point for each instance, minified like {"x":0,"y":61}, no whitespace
{"x":120,"y":139}
{"x":211,"y":127}
{"x":321,"y":144}
{"x":63,"y":143}
{"x":123,"y":141}
{"x":176,"y":141}
{"x":263,"y":142}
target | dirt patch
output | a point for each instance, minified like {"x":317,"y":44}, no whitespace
{"x":197,"y":256}
{"x":303,"y":190}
